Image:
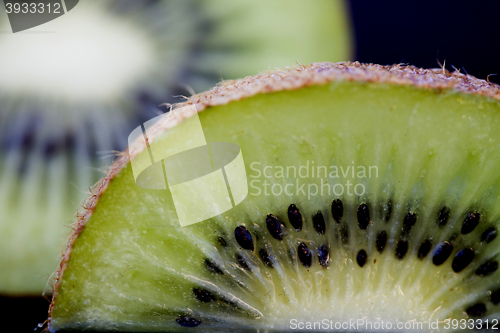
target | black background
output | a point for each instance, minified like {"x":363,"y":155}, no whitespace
{"x":465,"y":34}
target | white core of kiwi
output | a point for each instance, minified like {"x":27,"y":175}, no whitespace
{"x":83,"y":54}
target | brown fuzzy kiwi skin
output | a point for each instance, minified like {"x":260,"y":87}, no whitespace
{"x":278,"y":80}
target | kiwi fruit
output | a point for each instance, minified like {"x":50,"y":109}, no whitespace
{"x":372,"y":195}
{"x":67,"y":104}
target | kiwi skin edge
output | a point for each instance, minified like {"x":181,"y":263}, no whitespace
{"x":287,"y":79}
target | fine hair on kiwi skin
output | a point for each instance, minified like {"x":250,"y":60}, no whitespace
{"x":57,"y":139}
{"x":271,"y":257}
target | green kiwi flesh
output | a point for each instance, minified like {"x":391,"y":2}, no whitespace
{"x":417,"y":245}
{"x":54,"y":129}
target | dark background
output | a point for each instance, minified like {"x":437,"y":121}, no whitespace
{"x":465,"y":34}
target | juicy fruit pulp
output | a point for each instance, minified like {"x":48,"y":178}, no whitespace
{"x":55,"y":129}
{"x":404,"y":229}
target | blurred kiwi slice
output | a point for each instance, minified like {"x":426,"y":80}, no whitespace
{"x":372,"y":195}
{"x":73,"y":88}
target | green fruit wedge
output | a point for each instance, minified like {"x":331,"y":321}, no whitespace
{"x":66,"y":102}
{"x":372,"y":196}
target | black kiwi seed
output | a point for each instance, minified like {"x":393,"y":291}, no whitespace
{"x":274,"y":227}
{"x":188,"y":322}
{"x":344,"y":233}
{"x":305,"y":255}
{"x":476,"y":310}
{"x":442,"y":253}
{"x":489,"y":235}
{"x":488,"y":268}
{"x":203,"y":295}
{"x":462,"y":259}
{"x":453,"y":237}
{"x":361,"y":257}
{"x":241,"y":261}
{"x":443,"y":216}
{"x":388,"y":212}
{"x":424,"y":249}
{"x":266,"y":258}
{"x":381,"y":241}
{"x":337,"y":210}
{"x":295,"y":217}
{"x":222,"y":241}
{"x":409,"y":221}
{"x":470,"y":223}
{"x":244,"y":238}
{"x":363,"y":216}
{"x":319,"y":223}
{"x":212,"y":267}
{"x":323,"y":255}
{"x":495,"y":297}
{"x":51,"y":149}
{"x":401,"y":249}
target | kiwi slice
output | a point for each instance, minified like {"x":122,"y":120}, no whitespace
{"x":67,"y":103}
{"x":372,"y":195}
